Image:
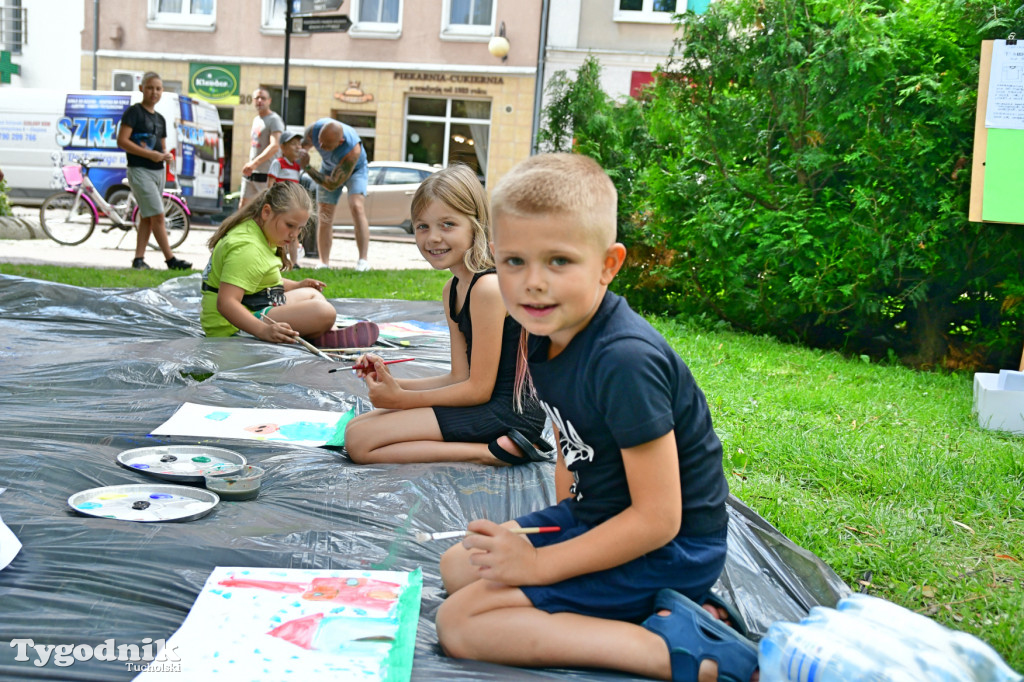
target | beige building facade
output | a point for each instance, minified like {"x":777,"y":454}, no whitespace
{"x":629,"y":38}
{"x":414,"y":77}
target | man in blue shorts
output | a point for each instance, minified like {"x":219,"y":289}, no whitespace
{"x":344,"y":165}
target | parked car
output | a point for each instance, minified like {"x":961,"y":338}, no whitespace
{"x":389,"y":191}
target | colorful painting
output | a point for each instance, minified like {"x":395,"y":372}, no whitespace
{"x":291,"y":624}
{"x":295,"y":427}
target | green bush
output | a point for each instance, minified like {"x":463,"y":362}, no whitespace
{"x":802,"y":168}
{"x":5,"y":204}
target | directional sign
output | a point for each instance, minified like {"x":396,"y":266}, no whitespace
{"x":331,"y":24}
{"x":311,"y":6}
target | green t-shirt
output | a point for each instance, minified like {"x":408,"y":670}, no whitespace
{"x":242,"y":257}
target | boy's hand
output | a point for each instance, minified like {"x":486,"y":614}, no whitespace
{"x":312,"y":284}
{"x":505,"y":557}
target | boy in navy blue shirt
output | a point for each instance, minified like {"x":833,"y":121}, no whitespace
{"x":639,"y":475}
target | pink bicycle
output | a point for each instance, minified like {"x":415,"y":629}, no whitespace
{"x":70,"y":216}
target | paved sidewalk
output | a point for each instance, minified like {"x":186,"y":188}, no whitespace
{"x":390,"y":249}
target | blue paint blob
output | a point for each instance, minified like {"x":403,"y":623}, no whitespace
{"x":256,"y":651}
{"x":226,"y":595}
{"x":338,"y":610}
{"x":216,"y":654}
{"x":90,"y":505}
{"x":160,"y":496}
{"x":140,"y":466}
{"x":217,"y":591}
{"x":218,"y":416}
{"x":352,"y":582}
{"x":307,"y":431}
{"x":275,"y":619}
{"x":296,"y":604}
{"x":359,"y":612}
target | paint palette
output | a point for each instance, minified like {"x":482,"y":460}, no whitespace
{"x":182,"y":463}
{"x":146,"y":502}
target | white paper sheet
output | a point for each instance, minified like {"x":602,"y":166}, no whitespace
{"x":10,"y":545}
{"x":1005,"y":106}
{"x":298,"y":427}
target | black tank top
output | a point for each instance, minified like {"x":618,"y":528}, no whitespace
{"x":505,"y":380}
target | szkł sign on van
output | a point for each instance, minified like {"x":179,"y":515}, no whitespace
{"x":329,"y":24}
{"x":310,"y":6}
{"x":215,"y":83}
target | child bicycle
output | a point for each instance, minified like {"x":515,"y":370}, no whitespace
{"x":69,"y":217}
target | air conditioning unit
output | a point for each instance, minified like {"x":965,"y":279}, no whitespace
{"x":126,"y":81}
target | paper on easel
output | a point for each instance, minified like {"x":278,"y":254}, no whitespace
{"x":1005,"y":106}
{"x":10,"y":545}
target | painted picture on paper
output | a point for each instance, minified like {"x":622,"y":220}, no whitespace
{"x":291,"y":624}
{"x":313,"y":428}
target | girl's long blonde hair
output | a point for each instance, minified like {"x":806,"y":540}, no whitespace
{"x":281,"y":197}
{"x":458,"y":187}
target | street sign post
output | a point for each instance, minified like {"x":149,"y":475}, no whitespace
{"x":329,"y":24}
{"x":311,"y":6}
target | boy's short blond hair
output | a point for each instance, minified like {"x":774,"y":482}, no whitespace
{"x":571,"y":185}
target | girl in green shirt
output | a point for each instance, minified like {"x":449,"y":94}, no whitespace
{"x":242,"y":285}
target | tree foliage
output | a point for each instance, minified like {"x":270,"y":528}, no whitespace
{"x":802,"y":168}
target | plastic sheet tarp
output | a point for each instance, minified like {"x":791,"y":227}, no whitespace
{"x":88,"y":373}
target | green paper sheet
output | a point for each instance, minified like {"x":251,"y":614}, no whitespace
{"x":1003,"y":198}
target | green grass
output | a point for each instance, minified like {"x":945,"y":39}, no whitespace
{"x":878,"y":469}
{"x":409,"y":285}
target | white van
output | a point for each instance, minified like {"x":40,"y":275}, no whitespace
{"x":41,"y":130}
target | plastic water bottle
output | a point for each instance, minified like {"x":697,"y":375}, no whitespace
{"x":792,"y":652}
{"x":982,"y":660}
{"x":893,"y":648}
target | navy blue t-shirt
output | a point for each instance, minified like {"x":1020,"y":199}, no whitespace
{"x":618,"y":384}
{"x":148,"y":130}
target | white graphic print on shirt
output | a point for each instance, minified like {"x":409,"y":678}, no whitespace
{"x":573,"y":447}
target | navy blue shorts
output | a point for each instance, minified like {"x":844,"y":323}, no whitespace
{"x":690,"y":565}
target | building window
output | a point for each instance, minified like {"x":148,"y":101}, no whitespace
{"x":447,"y":131}
{"x":648,"y":11}
{"x":376,"y":19}
{"x":12,"y":26}
{"x":198,"y":15}
{"x":467,"y":19}
{"x":296,"y":104}
{"x":273,"y":15}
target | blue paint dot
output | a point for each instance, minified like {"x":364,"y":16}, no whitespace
{"x":256,"y":651}
{"x":338,"y":610}
{"x":216,"y":654}
{"x":160,"y":496}
{"x":295,"y":657}
{"x":89,"y":505}
{"x":360,"y":612}
{"x":275,"y":619}
{"x":245,"y":572}
{"x":352,"y":582}
{"x":296,"y":604}
{"x":217,"y":591}
{"x":226,"y":595}
{"x":140,"y":466}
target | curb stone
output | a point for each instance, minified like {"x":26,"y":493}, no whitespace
{"x":20,"y":228}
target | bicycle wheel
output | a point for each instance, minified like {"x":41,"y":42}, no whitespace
{"x":65,"y":222}
{"x":176,"y":221}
